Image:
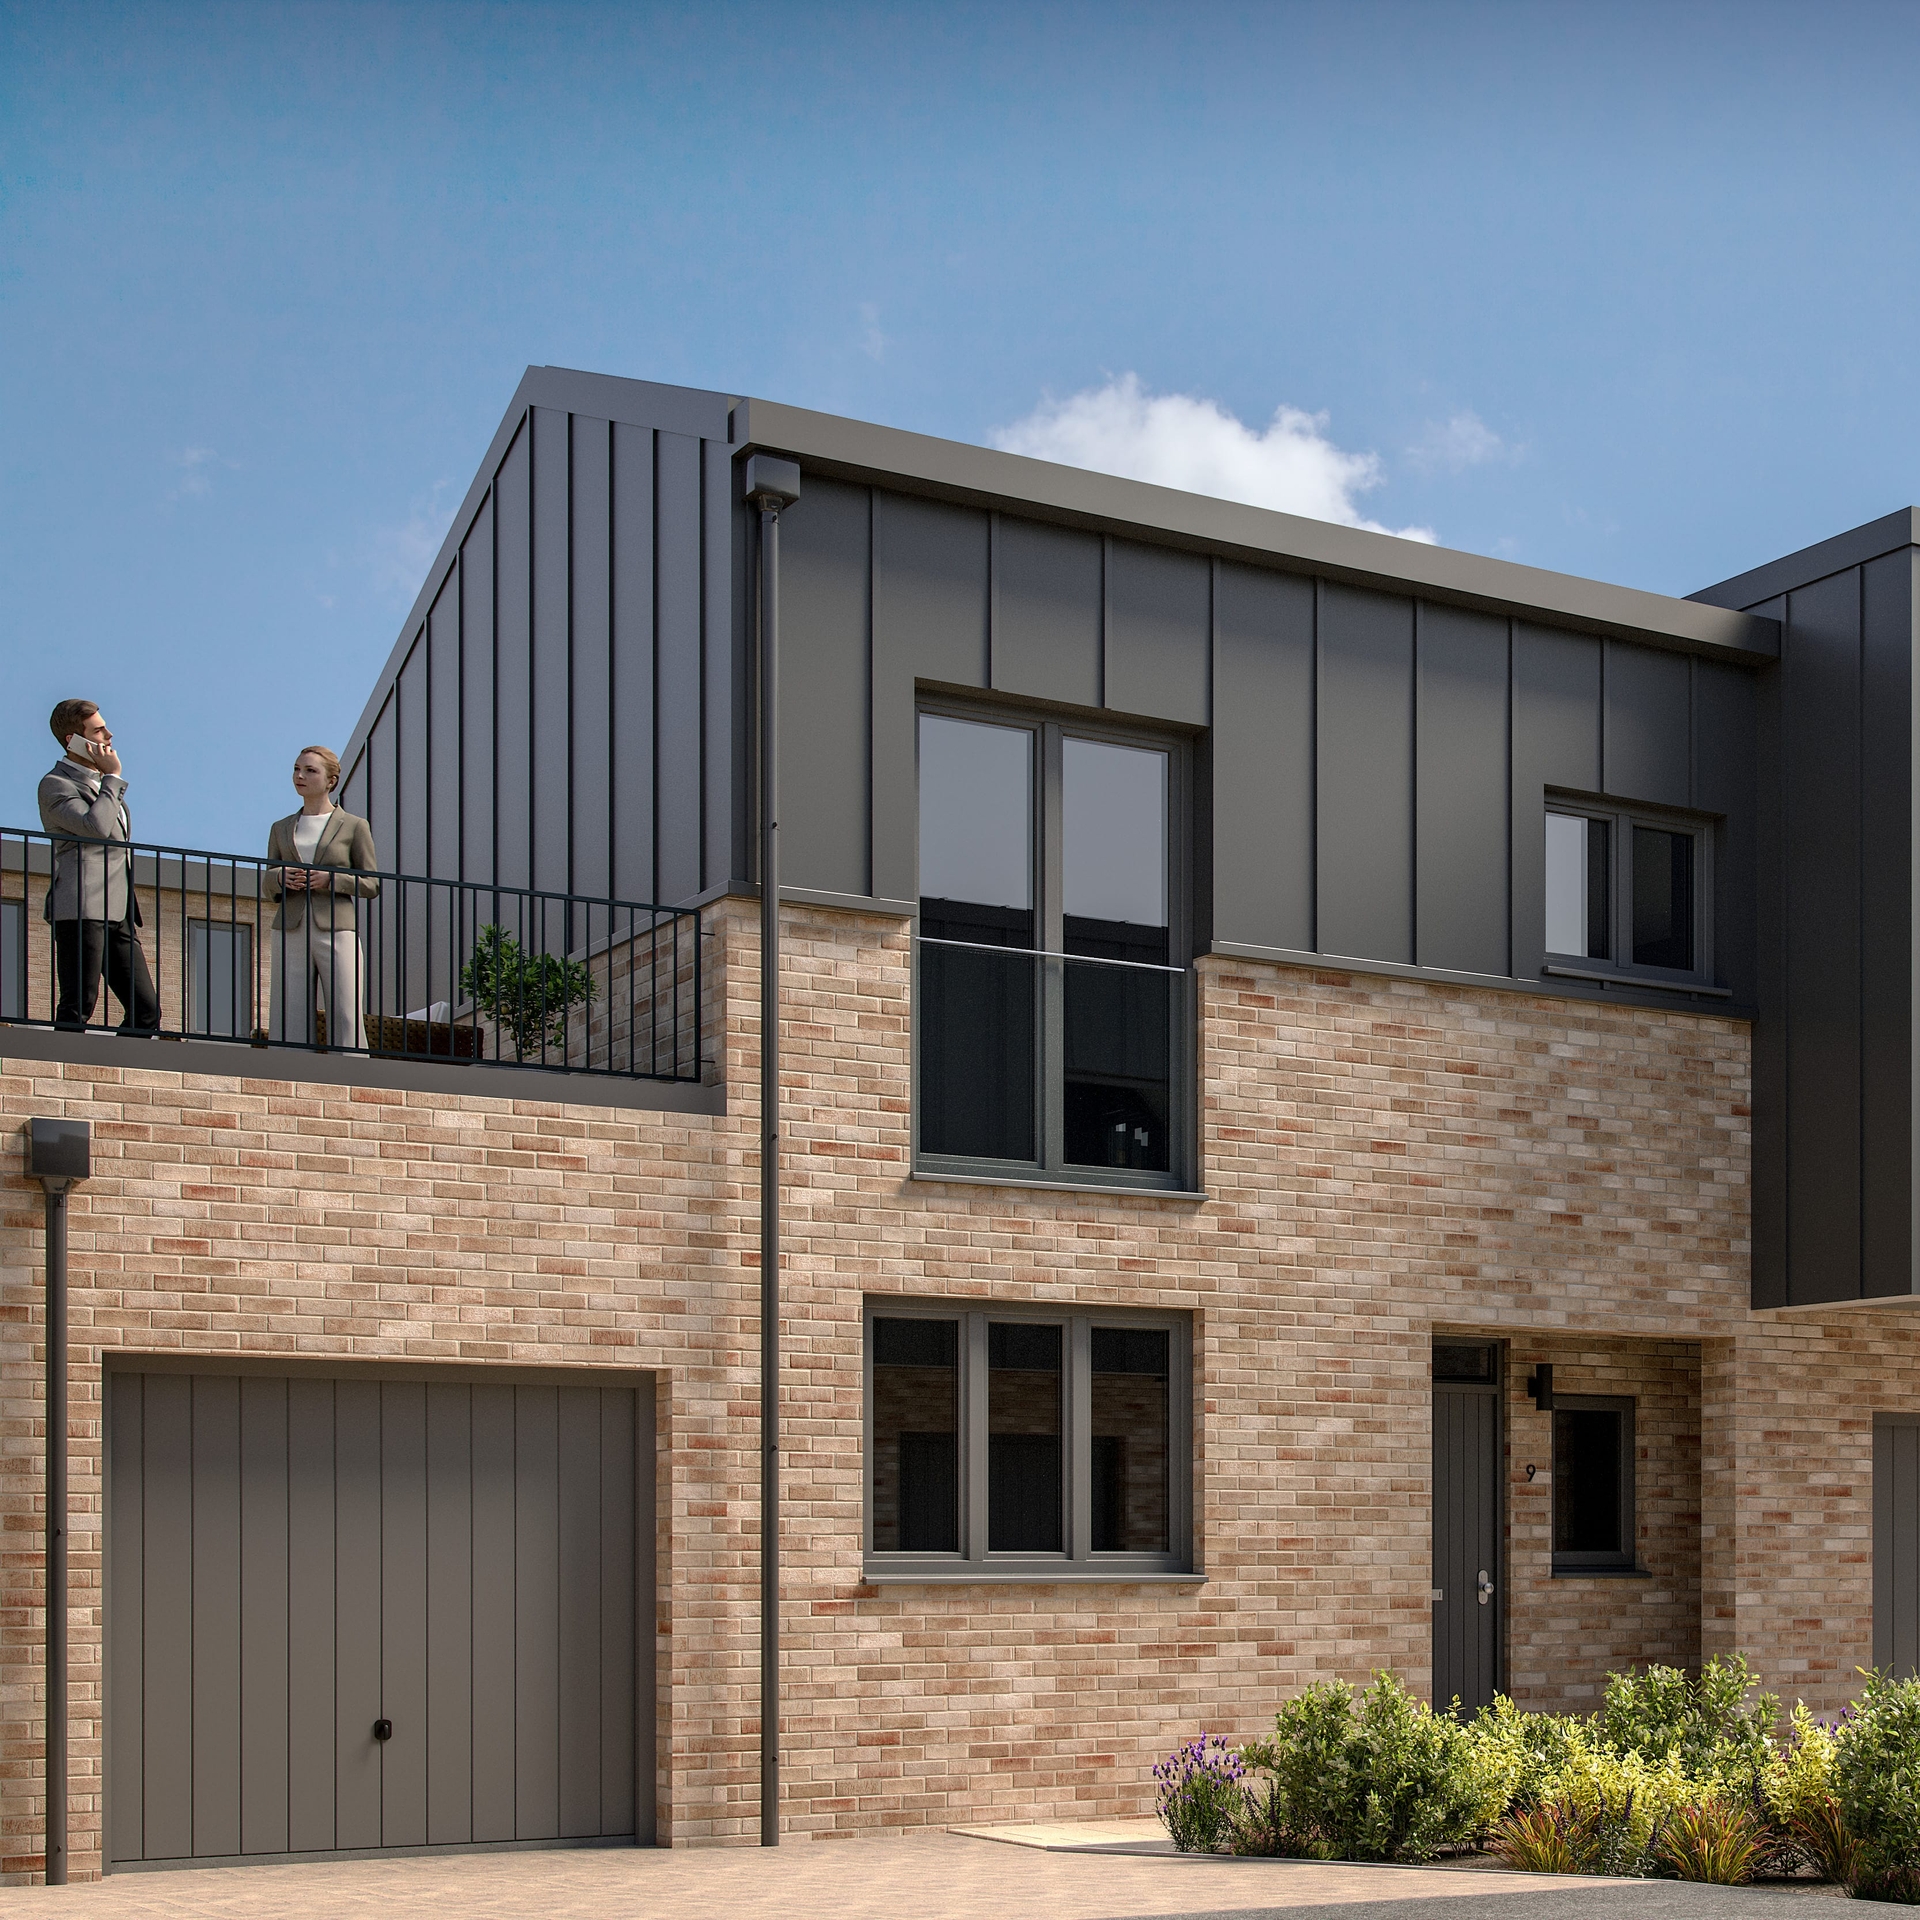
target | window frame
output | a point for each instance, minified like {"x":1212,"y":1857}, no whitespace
{"x":242,"y":977}
{"x":974,"y":1562}
{"x":1050,"y":1167}
{"x":14,"y":959}
{"x":1626,"y":1559}
{"x":1621,"y":818}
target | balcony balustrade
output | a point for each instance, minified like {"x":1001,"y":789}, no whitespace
{"x":451,"y":971}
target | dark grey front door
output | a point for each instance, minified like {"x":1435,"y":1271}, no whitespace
{"x":1896,"y":1543}
{"x":1467,"y":1537}
{"x":350,"y":1615}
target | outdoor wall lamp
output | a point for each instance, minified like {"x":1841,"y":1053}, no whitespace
{"x":59,"y":1152}
{"x":769,"y":484}
{"x":1540,"y":1388}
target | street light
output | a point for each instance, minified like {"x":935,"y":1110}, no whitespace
{"x":769,"y":484}
{"x":59,"y":1152}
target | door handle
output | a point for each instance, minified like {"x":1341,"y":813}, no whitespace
{"x":1486,"y":1587}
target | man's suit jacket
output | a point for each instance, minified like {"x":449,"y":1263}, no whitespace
{"x":346,"y":842}
{"x":90,"y":882}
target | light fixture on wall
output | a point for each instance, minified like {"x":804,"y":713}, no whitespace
{"x":1540,"y":1387}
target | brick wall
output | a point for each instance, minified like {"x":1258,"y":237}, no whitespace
{"x":1383,"y":1158}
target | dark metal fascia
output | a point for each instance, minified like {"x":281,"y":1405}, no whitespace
{"x":855,"y":450}
{"x":1791,"y":571}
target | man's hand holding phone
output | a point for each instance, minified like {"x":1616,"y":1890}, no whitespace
{"x":97,"y":754}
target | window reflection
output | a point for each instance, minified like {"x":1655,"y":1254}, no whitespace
{"x":1662,"y":899}
{"x":1577,"y":865}
{"x":1131,"y":1373}
{"x":1023,"y":1438}
{"x":1119,"y":1022}
{"x":915,"y":1446}
{"x":976,"y":1008}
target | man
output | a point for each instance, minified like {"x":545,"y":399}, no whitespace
{"x":91,"y":903}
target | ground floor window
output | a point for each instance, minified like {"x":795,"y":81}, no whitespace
{"x":1017,"y":1441}
{"x":1593,"y":1516}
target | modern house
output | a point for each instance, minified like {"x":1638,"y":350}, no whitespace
{"x":1346,"y":1106}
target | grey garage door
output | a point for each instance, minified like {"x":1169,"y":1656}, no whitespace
{"x":1896,"y":1542}
{"x":363,"y":1614}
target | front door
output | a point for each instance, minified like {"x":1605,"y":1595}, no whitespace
{"x":1468,"y":1526}
{"x":359,"y":1614}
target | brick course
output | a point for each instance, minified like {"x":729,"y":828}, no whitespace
{"x":1383,"y":1158}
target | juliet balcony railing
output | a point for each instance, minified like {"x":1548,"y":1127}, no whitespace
{"x":448,"y":971}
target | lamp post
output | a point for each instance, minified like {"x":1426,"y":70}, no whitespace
{"x":59,"y":1152}
{"x":770,"y":484}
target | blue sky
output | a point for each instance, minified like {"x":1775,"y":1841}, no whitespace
{"x":1625,"y":291}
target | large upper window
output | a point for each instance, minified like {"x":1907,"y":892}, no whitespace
{"x":1051,"y":1008}
{"x":1011,"y":1440}
{"x":1628,"y":892}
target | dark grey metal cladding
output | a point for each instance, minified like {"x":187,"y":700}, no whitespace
{"x":1379,"y":764}
{"x":562,"y":709}
{"x":1833,"y":1048}
{"x":291,"y":1560}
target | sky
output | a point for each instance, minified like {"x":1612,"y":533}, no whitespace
{"x":1620,"y":290}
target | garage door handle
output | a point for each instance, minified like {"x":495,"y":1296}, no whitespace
{"x":383,"y":1729}
{"x":1486,"y":1587}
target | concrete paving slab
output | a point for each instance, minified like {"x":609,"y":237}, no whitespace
{"x":928,"y":1876}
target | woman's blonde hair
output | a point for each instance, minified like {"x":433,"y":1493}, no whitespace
{"x":327,"y":758}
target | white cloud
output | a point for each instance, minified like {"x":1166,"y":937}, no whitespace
{"x":196,"y":465}
{"x":1462,"y":441}
{"x":873,"y":343}
{"x":401,"y":555}
{"x":1180,"y":440}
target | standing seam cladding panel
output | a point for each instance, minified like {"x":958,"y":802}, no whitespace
{"x":293,"y":1559}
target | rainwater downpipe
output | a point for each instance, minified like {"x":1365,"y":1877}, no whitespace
{"x":770,"y":484}
{"x":59,"y":1152}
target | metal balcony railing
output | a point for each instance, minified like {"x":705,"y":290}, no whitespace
{"x":442,"y":970}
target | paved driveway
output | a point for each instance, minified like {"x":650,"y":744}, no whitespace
{"x":930,"y":1876}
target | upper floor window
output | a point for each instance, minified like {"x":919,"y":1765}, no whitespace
{"x":1051,"y":1009}
{"x":1628,"y":890}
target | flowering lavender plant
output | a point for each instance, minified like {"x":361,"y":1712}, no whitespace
{"x":1200,"y":1795}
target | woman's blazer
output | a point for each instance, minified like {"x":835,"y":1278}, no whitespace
{"x":346,"y":842}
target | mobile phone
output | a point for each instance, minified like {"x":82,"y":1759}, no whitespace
{"x":80,"y":746}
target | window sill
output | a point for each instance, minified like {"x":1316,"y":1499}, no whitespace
{"x":1601,"y":1573}
{"x":1039,"y":1181}
{"x":1649,"y":981}
{"x":1081,"y":1575}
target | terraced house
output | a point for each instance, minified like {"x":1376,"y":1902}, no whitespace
{"x":1342,"y":1105}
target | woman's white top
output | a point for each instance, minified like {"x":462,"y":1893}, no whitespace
{"x":307,"y":829}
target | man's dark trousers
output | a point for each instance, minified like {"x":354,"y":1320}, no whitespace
{"x":82,"y":949}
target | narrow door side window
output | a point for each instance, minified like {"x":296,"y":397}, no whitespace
{"x":1593,"y":1517}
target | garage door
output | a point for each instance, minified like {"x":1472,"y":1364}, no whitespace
{"x":352,"y":1615}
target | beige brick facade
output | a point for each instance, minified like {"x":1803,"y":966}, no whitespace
{"x":1382,"y":1158}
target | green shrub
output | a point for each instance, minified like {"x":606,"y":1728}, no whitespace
{"x":526,"y":995}
{"x":1712,"y":1839}
{"x":1703,"y":1719}
{"x":1876,"y":1781}
{"x":1385,"y":1778}
{"x":1520,"y":1753}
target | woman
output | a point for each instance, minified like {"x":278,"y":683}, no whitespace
{"x":316,"y":939}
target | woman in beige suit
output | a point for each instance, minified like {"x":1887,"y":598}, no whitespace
{"x":316,"y":938}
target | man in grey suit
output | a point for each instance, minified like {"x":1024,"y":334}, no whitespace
{"x":91,"y":903}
